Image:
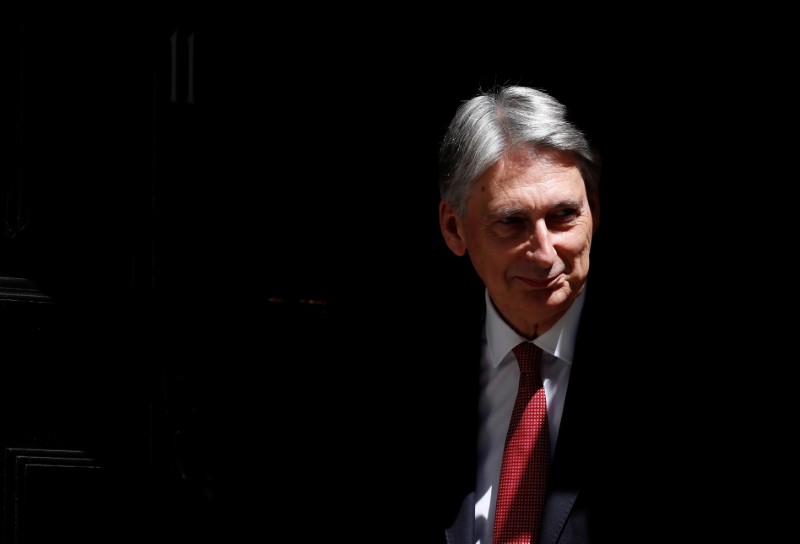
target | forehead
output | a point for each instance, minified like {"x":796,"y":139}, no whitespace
{"x":546,"y":172}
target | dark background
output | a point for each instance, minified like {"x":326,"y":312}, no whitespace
{"x":213,"y":220}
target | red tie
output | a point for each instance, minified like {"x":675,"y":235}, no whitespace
{"x":526,"y":459}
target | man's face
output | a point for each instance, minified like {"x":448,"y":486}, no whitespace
{"x":528,"y":230}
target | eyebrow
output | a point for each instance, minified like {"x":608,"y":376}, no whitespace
{"x":508,"y":212}
{"x":511,"y":211}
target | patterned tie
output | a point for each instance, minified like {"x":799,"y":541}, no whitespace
{"x":526,"y":459}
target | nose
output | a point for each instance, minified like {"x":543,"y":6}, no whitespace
{"x":540,"y":245}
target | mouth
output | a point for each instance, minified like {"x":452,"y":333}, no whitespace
{"x":541,"y":283}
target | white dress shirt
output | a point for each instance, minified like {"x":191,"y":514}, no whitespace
{"x":498,"y":391}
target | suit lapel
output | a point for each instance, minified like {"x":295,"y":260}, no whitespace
{"x":570,"y":470}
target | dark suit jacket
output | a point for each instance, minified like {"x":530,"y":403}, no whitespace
{"x":577,"y":490}
{"x":600,"y":472}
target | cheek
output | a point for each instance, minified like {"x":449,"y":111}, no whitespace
{"x":492,"y":260}
{"x":575,"y":249}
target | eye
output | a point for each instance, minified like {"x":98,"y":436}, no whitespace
{"x":565,"y":214}
{"x":510,"y":226}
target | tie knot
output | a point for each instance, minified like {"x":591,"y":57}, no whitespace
{"x":529,"y":357}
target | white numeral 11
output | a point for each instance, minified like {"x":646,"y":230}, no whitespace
{"x":173,"y":95}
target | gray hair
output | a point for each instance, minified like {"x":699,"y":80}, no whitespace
{"x":485,"y":127}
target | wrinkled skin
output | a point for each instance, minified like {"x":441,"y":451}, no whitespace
{"x":528,"y":233}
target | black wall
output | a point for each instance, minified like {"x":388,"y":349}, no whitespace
{"x":209,"y":222}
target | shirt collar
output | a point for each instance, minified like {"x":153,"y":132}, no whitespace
{"x":559,"y":340}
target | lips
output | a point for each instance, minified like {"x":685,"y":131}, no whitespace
{"x":536,"y":283}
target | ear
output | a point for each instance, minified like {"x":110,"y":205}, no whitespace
{"x":450,"y":224}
